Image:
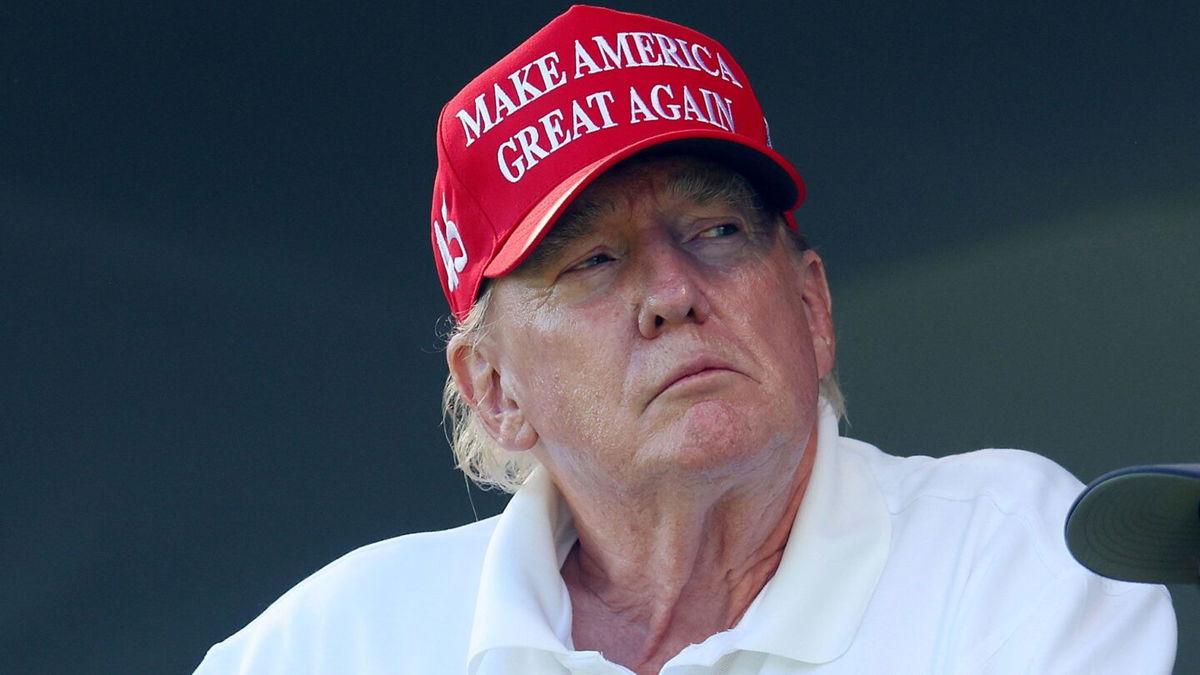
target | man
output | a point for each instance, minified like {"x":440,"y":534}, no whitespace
{"x":644,"y":353}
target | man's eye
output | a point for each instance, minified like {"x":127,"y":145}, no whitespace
{"x":598,"y":259}
{"x":722,"y":230}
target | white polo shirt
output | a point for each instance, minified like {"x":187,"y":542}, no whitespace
{"x":896,"y":565}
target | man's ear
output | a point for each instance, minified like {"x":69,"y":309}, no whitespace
{"x":818,"y":307}
{"x":477,"y":374}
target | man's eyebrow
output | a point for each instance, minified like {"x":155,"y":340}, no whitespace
{"x":580,"y":220}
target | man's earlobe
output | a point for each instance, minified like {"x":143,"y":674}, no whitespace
{"x":478,"y":379}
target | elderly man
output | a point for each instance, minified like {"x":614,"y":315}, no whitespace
{"x":644,"y":354}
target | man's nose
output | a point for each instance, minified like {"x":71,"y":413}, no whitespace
{"x":670,"y":291}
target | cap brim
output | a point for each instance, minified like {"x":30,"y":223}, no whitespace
{"x":775,"y":178}
{"x":1140,"y":523}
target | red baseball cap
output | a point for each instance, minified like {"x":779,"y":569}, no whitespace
{"x":591,"y":88}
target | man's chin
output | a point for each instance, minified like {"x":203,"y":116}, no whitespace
{"x":710,"y":437}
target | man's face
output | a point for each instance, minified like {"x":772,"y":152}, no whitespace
{"x":660,"y":333}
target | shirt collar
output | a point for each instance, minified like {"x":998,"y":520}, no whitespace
{"x":813,"y":606}
{"x":522,"y":600}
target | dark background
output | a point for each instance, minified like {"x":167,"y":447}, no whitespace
{"x":220,"y":352}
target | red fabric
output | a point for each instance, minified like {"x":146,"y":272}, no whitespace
{"x":591,"y":88}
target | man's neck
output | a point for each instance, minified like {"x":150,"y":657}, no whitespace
{"x":646,"y":579}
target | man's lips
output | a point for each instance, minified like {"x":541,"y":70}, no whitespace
{"x":697,"y":367}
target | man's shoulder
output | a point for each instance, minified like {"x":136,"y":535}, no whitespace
{"x":449,"y":553}
{"x":991,"y":495}
{"x":408,"y":564}
{"x":402,"y":586}
{"x":1013,"y":480}
{"x":977,"y":565}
